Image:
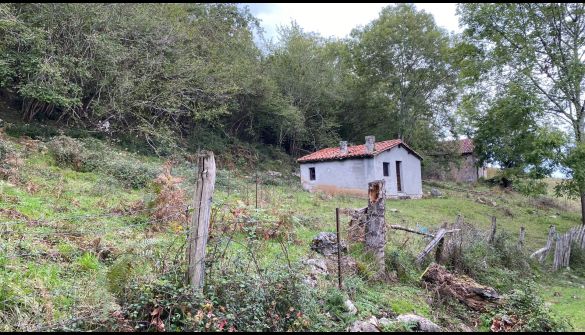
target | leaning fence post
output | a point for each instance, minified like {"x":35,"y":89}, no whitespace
{"x":376,"y":224}
{"x":439,"y":256}
{"x":492,"y":237}
{"x":199,"y":228}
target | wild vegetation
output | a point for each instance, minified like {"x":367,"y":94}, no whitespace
{"x":99,"y":249}
{"x":103,"y":108}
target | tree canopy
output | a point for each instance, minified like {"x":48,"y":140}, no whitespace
{"x":170,"y":72}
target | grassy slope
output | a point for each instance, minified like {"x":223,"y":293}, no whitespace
{"x":59,"y":280}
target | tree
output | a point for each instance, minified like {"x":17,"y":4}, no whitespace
{"x":303,"y":67}
{"x":509,"y":135}
{"x":541,"y":44}
{"x":402,"y":62}
{"x":151,"y":70}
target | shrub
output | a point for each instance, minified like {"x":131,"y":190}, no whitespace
{"x":499,"y":264}
{"x":232,"y":300}
{"x":130,"y":172}
{"x":524,"y":310}
{"x":169,"y":204}
{"x":402,"y":263}
{"x":69,"y":152}
{"x":9,"y":162}
{"x":6,"y":150}
{"x":120,"y":274}
{"x":92,"y":155}
{"x":33,"y":130}
{"x":88,"y":262}
{"x":335,"y":302}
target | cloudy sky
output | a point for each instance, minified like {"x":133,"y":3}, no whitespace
{"x":338,"y":19}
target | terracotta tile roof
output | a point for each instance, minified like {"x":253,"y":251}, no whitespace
{"x":466,"y":146}
{"x":355,"y":151}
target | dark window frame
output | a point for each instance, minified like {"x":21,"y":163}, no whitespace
{"x":312,"y":174}
{"x":386,"y":169}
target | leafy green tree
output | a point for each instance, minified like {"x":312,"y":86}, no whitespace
{"x":542,"y":45}
{"x":303,"y":67}
{"x":509,"y":135}
{"x":403,"y":61}
{"x":149,"y":69}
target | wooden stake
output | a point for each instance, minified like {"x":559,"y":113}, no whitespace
{"x":199,"y":229}
{"x":521,"y":238}
{"x":338,"y":248}
{"x":492,"y":237}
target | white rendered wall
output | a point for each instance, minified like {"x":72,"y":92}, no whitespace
{"x":353,"y":175}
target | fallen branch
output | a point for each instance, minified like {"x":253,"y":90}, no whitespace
{"x":397,"y":227}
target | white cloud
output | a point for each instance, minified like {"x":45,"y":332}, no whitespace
{"x":338,"y":19}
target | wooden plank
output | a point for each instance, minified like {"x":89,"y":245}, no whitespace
{"x":558,"y":247}
{"x":438,"y":237}
{"x":569,"y":242}
{"x":199,"y":229}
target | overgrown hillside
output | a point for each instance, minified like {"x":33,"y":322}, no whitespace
{"x":93,"y":238}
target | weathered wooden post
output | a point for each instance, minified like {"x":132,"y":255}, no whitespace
{"x":521,"y":237}
{"x":338,"y":248}
{"x":492,"y":237}
{"x":199,"y":229}
{"x":439,"y":257}
{"x":376,"y":224}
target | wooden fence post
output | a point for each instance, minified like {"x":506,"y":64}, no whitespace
{"x":375,"y":223}
{"x":439,"y":252}
{"x":521,"y":237}
{"x":199,"y":229}
{"x":338,"y":248}
{"x":492,"y":237}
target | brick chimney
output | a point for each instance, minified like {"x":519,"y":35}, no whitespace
{"x":343,"y":147}
{"x":370,"y":144}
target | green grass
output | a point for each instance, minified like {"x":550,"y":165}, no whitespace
{"x":564,"y":293}
{"x":70,"y":210}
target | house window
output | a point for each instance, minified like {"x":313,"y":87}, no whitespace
{"x":312,"y":173}
{"x":386,"y":167}
{"x":398,"y":176}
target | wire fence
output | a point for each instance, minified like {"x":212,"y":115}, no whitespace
{"x":244,"y":203}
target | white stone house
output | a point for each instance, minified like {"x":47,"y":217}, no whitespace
{"x":348,"y":170}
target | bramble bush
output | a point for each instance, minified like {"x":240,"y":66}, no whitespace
{"x":524,"y":310}
{"x":92,"y":155}
{"x":233,"y":300}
